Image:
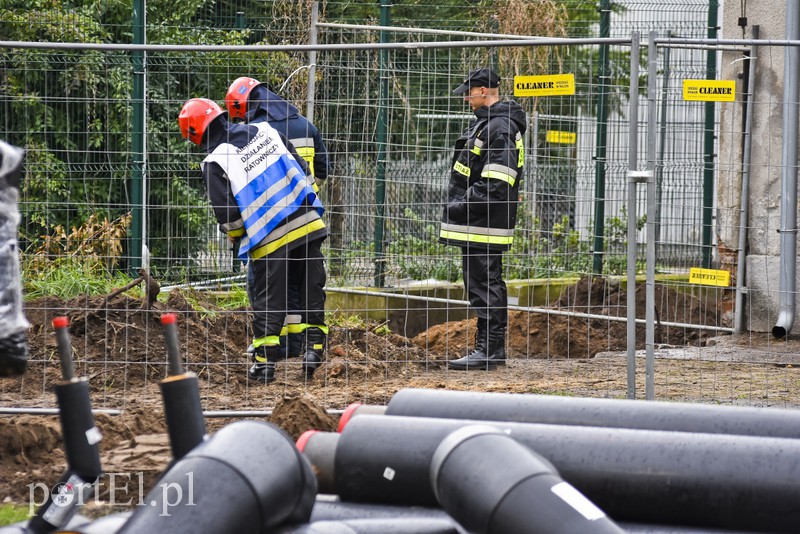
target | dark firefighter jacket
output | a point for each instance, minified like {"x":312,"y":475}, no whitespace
{"x":259,"y":188}
{"x":485,"y":177}
{"x":263,"y":104}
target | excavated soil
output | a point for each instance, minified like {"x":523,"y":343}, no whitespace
{"x":119,"y":348}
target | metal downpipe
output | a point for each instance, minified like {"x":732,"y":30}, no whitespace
{"x":738,"y":309}
{"x":788,"y":228}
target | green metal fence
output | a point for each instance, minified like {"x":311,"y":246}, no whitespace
{"x":100,"y":128}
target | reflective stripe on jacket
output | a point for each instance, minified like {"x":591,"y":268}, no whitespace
{"x":485,"y":178}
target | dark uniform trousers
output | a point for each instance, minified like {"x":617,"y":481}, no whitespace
{"x":484,"y":284}
{"x":300,"y":267}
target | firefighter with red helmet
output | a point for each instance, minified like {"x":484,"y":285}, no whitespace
{"x":260,"y":192}
{"x":253,"y":102}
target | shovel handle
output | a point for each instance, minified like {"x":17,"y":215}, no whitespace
{"x":61,"y":325}
{"x":174,"y":366}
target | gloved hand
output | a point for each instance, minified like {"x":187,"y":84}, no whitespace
{"x":457,"y":211}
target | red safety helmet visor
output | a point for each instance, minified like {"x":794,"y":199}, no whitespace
{"x":195,"y":116}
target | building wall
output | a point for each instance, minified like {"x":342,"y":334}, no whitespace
{"x":763,"y":241}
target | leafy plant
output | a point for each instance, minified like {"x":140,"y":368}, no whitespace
{"x":418,"y":254}
{"x":78,"y":262}
{"x":616,"y":243}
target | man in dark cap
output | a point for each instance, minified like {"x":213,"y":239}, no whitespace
{"x":481,"y":209}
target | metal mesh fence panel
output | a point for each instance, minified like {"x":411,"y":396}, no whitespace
{"x":389,"y":121}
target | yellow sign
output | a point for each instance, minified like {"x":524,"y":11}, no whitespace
{"x":547,"y":85}
{"x":709,"y":277}
{"x":709,"y":90}
{"x":556,"y":136}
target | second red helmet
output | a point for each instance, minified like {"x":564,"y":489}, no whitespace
{"x":236,"y":99}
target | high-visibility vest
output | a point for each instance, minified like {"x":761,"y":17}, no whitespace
{"x":267,"y":183}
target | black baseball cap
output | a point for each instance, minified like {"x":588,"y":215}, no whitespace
{"x":482,"y":77}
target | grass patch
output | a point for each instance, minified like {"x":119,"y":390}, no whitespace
{"x":70,"y":277}
{"x":12,"y":513}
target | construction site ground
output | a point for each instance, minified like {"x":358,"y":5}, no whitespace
{"x":119,"y":348}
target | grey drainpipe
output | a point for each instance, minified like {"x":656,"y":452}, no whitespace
{"x":788,"y":229}
{"x":738,"y":310}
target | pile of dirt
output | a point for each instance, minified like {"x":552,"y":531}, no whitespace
{"x":121,"y":332}
{"x":295,"y":415}
{"x":540,"y":335}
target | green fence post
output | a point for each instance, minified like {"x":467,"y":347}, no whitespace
{"x":708,"y":141}
{"x":137,"y":139}
{"x":381,"y":134}
{"x":602,"y":135}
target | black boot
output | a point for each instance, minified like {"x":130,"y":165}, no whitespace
{"x":13,"y":355}
{"x":489,"y":350}
{"x":294,"y":339}
{"x":497,"y":345}
{"x":294,"y":345}
{"x":477,"y":358}
{"x":315,"y":350}
{"x":263,"y":370}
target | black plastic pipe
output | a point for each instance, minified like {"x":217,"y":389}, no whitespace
{"x":248,"y":477}
{"x":80,"y":436}
{"x":181,"y":394}
{"x":391,"y":525}
{"x":328,"y":510}
{"x":644,"y":476}
{"x":109,"y":524}
{"x":491,"y":484}
{"x":617,"y":413}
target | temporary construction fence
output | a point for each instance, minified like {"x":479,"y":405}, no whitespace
{"x":381,"y":97}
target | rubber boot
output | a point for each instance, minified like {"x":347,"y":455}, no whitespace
{"x":292,"y":345}
{"x":472,"y":359}
{"x":315,"y":350}
{"x":263,"y":370}
{"x":295,"y":345}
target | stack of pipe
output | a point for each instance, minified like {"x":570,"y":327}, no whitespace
{"x":246,"y":478}
{"x":440,"y":462}
{"x":640,"y":463}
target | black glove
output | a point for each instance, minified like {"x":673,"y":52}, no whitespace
{"x":457,"y":211}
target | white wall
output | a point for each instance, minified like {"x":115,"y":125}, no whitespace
{"x":763,"y":250}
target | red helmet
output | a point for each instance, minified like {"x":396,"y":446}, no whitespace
{"x":195,"y":117}
{"x":236,"y":99}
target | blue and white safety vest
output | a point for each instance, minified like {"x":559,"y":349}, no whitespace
{"x":270,"y":188}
